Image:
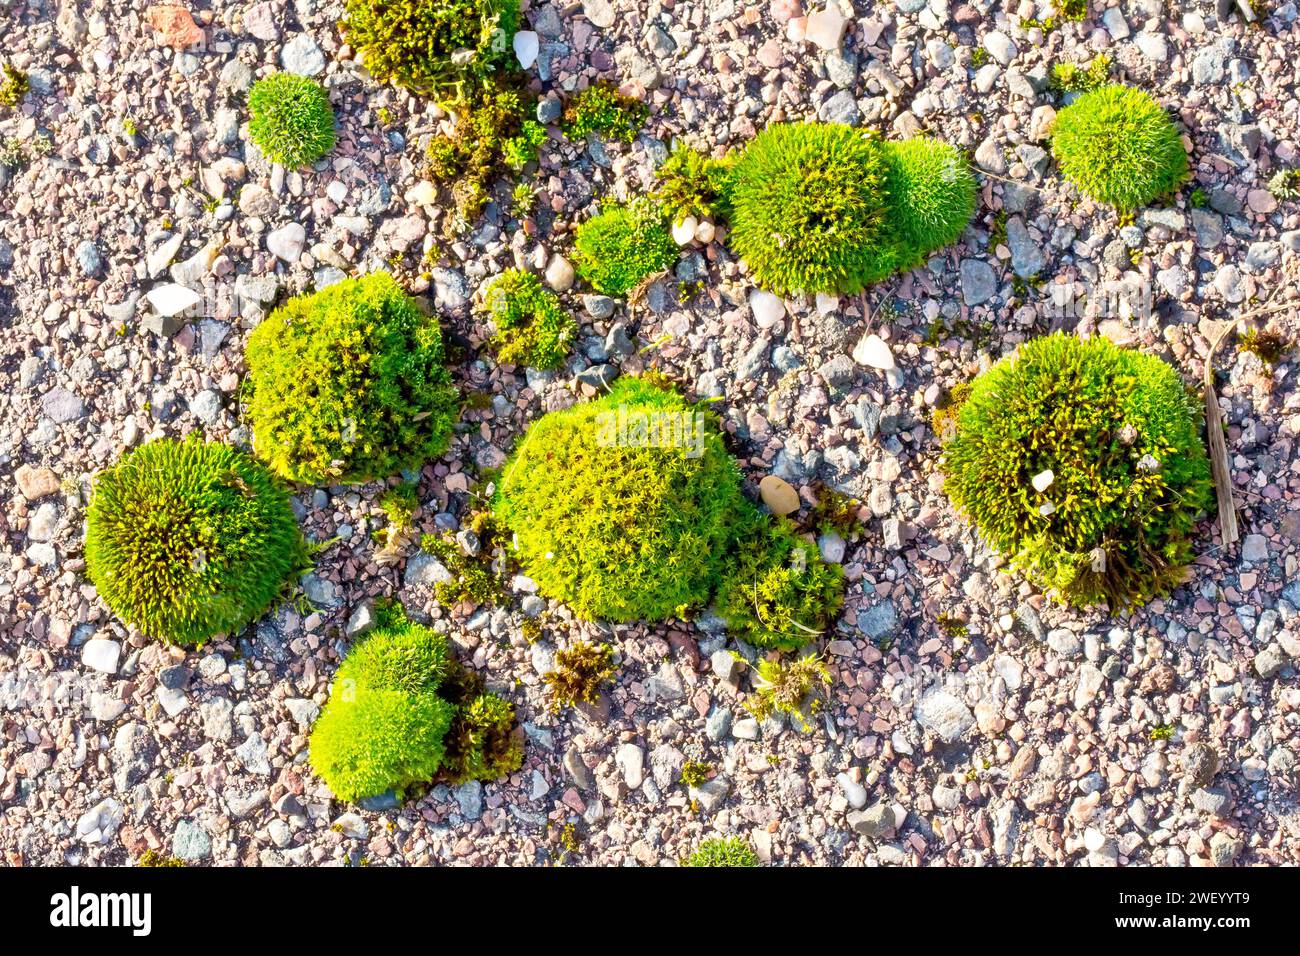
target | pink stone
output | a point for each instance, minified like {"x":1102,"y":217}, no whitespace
{"x":1261,"y":201}
{"x":176,"y":26}
{"x":769,"y":54}
{"x":785,"y":10}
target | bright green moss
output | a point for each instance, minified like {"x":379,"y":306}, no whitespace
{"x":290,"y":119}
{"x":1119,"y":147}
{"x":530,"y":326}
{"x":617,"y":249}
{"x":731,"y":851}
{"x":348,"y":384}
{"x":1073,"y":78}
{"x":402,"y":713}
{"x":602,"y":109}
{"x":431,"y":46}
{"x":822,"y":207}
{"x":689,"y":184}
{"x":493,"y":136}
{"x":806,"y":206}
{"x":368,"y":740}
{"x":187,"y":540}
{"x":1121,"y":437}
{"x":931,"y":195}
{"x":617,"y":523}
{"x":778,"y":593}
{"x":795,"y":688}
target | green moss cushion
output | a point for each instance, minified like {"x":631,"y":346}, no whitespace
{"x":1114,"y":440}
{"x":778,"y":593}
{"x":187,"y":540}
{"x":1119,"y":147}
{"x":348,"y":384}
{"x":617,"y":529}
{"x":431,"y":46}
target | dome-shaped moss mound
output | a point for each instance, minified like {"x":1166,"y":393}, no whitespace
{"x":431,"y":45}
{"x":623,"y":507}
{"x":931,"y":195}
{"x":806,"y":204}
{"x":822,"y":207}
{"x":622,"y":245}
{"x":348,"y":384}
{"x":402,"y":713}
{"x":1119,"y":147}
{"x":1112,"y":439}
{"x":187,"y":540}
{"x":778,"y":593}
{"x":729,"y":851}
{"x":290,"y":119}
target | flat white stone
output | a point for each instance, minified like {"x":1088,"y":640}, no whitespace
{"x":526,"y":48}
{"x":172,"y":299}
{"x":684,"y":231}
{"x":873,"y":352}
{"x":768,"y":309}
{"x":101,"y":655}
{"x":1043,"y":480}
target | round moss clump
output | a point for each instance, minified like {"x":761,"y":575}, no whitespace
{"x":403,"y":713}
{"x":531,"y":327}
{"x":778,"y":593}
{"x":1119,"y":147}
{"x":620,"y":247}
{"x":931,"y":194}
{"x":431,"y":45}
{"x":1083,"y":464}
{"x":348,"y":384}
{"x":806,"y":204}
{"x":187,"y":540}
{"x":731,"y":851}
{"x":623,"y":507}
{"x":290,"y":119}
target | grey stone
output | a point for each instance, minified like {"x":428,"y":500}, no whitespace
{"x":944,"y":715}
{"x":134,"y":751}
{"x":840,"y":108}
{"x":979,"y":282}
{"x":89,"y":259}
{"x":62,"y":406}
{"x":424,"y":568}
{"x":206,"y":406}
{"x":302,"y":56}
{"x":879,"y":620}
{"x":1216,"y":801}
{"x":190,"y":842}
{"x":874,"y":823}
{"x":1200,"y":764}
{"x":1026,"y":252}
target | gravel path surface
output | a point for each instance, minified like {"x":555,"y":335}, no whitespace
{"x":971,"y":721}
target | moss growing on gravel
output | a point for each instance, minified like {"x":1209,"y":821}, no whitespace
{"x":822,"y":207}
{"x":580,"y":671}
{"x":1112,"y":439}
{"x":14,"y":87}
{"x":187,"y":540}
{"x":348,"y":384}
{"x":403,"y":713}
{"x":602,"y":109}
{"x":778,"y":593}
{"x":493,"y":135}
{"x":431,"y":46}
{"x":729,"y":851}
{"x":530,"y":326}
{"x":1119,"y":147}
{"x":617,"y":523}
{"x":931,"y":195}
{"x":620,"y":247}
{"x":290,"y":119}
{"x":689,"y":184}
